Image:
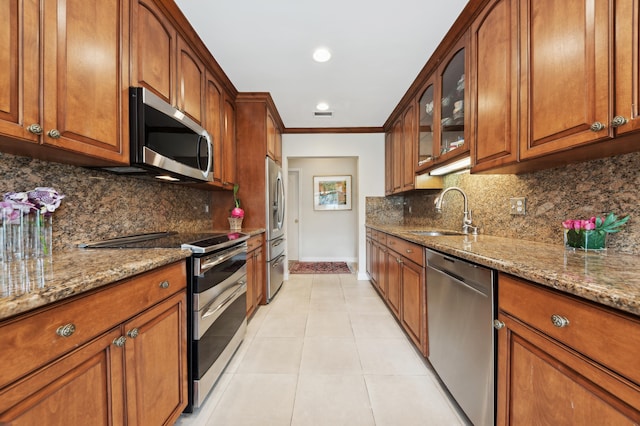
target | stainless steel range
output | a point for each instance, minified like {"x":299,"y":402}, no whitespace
{"x":216,"y":299}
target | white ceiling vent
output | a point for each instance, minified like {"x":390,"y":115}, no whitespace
{"x":323,"y":114}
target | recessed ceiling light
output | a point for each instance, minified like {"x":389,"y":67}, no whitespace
{"x":322,"y":106}
{"x":321,"y":54}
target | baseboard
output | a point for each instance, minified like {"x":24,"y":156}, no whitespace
{"x":328,"y":259}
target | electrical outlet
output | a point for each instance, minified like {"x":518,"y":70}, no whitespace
{"x":518,"y":205}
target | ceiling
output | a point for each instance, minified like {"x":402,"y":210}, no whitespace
{"x":378,"y":48}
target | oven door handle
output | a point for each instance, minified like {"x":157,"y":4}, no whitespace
{"x":212,"y":310}
{"x":223,"y":258}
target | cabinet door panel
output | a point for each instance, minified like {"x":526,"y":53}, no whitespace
{"x":414,"y":303}
{"x":85,"y":78}
{"x":229,"y":143}
{"x":156,"y":365}
{"x":540,"y":382}
{"x":154,"y":51}
{"x":394,"y":278}
{"x":84,"y":388}
{"x":627,"y":87}
{"x":495,"y":73}
{"x":409,"y":147}
{"x":566,"y":57}
{"x":398,"y":155}
{"x":190,"y":81}
{"x":19,"y":85}
{"x":213,"y":117}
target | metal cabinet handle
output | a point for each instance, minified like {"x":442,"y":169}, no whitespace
{"x":559,"y":321}
{"x":618,"y":121}
{"x":597,"y":126}
{"x":35,"y":128}
{"x":497,"y":324}
{"x":54,"y":133}
{"x":133,"y":333}
{"x":409,"y":251}
{"x":120,"y":341}
{"x":164,"y":284}
{"x":66,"y":330}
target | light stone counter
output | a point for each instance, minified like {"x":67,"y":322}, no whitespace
{"x":35,"y":283}
{"x":608,"y":278}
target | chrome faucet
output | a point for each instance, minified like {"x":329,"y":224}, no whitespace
{"x":467,"y":221}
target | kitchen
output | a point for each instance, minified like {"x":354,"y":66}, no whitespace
{"x":100,"y":202}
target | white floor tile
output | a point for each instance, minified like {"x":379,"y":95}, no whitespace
{"x":272,"y":355}
{"x":320,"y":324}
{"x":328,"y":355}
{"x":256,"y":400}
{"x":409,"y":401}
{"x":279,"y":324}
{"x":379,"y":325}
{"x":331,"y":400}
{"x":390,"y":356}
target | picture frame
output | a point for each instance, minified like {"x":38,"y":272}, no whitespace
{"x":332,"y":192}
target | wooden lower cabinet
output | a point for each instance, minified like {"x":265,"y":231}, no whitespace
{"x":134,"y":373}
{"x":398,"y":273}
{"x":550,"y":380}
{"x":255,"y":273}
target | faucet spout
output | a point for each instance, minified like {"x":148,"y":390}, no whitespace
{"x":467,"y":223}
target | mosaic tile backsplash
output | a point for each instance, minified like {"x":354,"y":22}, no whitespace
{"x":575,"y":191}
{"x":99,"y":205}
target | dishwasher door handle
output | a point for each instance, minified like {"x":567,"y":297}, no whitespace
{"x":459,"y":280}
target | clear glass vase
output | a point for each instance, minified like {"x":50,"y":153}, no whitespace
{"x":585,"y":239}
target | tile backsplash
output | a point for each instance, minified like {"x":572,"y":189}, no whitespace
{"x":99,"y":205}
{"x":575,"y":191}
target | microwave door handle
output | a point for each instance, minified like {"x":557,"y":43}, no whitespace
{"x":209,"y":154}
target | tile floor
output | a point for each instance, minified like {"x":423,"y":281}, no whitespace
{"x":326,"y":351}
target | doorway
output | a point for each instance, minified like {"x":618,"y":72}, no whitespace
{"x":293,"y":214}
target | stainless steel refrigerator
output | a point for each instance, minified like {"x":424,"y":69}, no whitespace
{"x":275,"y":228}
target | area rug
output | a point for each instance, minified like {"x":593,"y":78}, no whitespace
{"x":318,"y":268}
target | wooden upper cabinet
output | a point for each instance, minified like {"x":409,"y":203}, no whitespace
{"x":426,"y":126}
{"x":213,"y":125}
{"x":388,"y":163}
{"x":153,"y":53}
{"x":451,"y":95}
{"x":409,"y":145}
{"x":627,"y":67}
{"x":64,"y":70}
{"x":191,"y":76}
{"x":398,"y":155}
{"x":566,"y":59}
{"x":19,"y":85}
{"x":494,"y":72}
{"x":86,"y":77}
{"x":229,"y":143}
{"x":274,"y":139}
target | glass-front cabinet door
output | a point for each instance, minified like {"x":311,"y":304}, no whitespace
{"x":452,"y":83}
{"x":426,"y":128}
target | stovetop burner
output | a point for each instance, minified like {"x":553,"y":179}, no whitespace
{"x":203,"y":242}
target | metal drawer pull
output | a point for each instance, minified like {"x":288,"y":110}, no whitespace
{"x":66,"y":330}
{"x":133,"y":333}
{"x":54,"y":133}
{"x":618,"y":121}
{"x":36,"y":129}
{"x":120,"y":341}
{"x":497,"y":324}
{"x":597,"y":126}
{"x":164,"y":284}
{"x":559,"y":321}
{"x":409,"y":251}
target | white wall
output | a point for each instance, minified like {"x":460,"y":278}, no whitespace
{"x":368,"y":148}
{"x":325,"y":235}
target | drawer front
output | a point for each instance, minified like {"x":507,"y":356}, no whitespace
{"x":409,"y":250}
{"x":36,"y":339}
{"x":254,"y":242}
{"x":380,"y":237}
{"x":602,"y":334}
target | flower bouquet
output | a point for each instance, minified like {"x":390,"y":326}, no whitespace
{"x":591,"y":234}
{"x":237,"y":214}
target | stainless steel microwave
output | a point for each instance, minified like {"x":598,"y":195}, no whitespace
{"x":164,"y":143}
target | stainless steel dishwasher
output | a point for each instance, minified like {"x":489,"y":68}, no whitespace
{"x":460,"y":314}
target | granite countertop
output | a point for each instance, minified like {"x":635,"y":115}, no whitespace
{"x":35,"y":283}
{"x":608,"y":278}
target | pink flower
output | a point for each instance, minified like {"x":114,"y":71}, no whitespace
{"x":567,"y":224}
{"x":237,"y":212}
{"x":588,"y":226}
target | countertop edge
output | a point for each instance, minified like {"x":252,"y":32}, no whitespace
{"x":568,"y":271}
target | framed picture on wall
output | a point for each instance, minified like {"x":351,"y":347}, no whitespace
{"x":332,"y":192}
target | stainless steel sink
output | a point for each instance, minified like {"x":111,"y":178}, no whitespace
{"x":435,"y":233}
